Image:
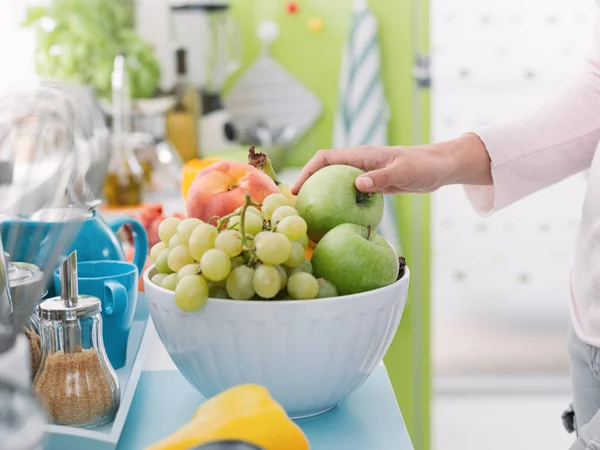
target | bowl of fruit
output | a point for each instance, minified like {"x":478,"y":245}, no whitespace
{"x":297,"y":294}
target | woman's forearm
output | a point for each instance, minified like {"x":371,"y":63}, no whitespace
{"x":535,"y":150}
{"x":466,"y":160}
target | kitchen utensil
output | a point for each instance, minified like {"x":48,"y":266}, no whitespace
{"x":21,"y":418}
{"x":115,"y":284}
{"x":27,"y":289}
{"x":8,"y":331}
{"x":212,"y":39}
{"x":49,"y":132}
{"x":213,"y":42}
{"x":50,"y":234}
{"x":267,"y":92}
{"x":54,"y":136}
{"x":53,"y":145}
{"x":309,"y":354}
{"x":75,"y":380}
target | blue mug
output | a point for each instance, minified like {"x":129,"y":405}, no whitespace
{"x":115,"y":284}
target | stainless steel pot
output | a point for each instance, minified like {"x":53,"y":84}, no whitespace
{"x":8,"y":331}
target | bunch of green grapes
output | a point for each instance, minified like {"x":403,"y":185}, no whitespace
{"x":252,"y":253}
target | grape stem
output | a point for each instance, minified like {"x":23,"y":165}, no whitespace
{"x":368,"y":231}
{"x":224,"y":219}
{"x":243,"y":218}
{"x":252,"y":260}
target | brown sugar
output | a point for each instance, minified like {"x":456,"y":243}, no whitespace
{"x":35,"y":351}
{"x":75,"y":388}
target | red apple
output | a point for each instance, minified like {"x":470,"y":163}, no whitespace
{"x":221,"y":188}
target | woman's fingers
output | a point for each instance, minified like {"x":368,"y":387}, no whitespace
{"x":376,"y":180}
{"x":352,"y":157}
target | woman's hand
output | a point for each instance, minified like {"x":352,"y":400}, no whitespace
{"x":419,"y":169}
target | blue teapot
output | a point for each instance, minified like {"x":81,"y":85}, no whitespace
{"x":49,"y":235}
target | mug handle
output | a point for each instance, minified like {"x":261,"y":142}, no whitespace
{"x":115,"y":298}
{"x":140,"y":239}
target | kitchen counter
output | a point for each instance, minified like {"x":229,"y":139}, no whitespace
{"x":368,"y":419}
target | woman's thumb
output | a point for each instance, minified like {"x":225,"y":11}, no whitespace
{"x":374,"y":181}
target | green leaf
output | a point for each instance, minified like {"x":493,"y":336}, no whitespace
{"x":91,"y":33}
{"x":33,"y":14}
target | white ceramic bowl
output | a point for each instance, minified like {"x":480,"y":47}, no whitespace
{"x":309,"y":354}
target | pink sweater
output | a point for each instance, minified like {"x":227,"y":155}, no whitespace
{"x":542,"y":148}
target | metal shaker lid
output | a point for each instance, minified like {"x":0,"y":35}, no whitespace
{"x":70,"y":305}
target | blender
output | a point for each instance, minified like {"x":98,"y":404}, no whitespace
{"x":213,"y":44}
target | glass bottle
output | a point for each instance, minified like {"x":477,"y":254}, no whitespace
{"x":124,"y":182}
{"x":182,"y":120}
{"x":75,"y":380}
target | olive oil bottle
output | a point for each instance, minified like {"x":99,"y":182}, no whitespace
{"x":182,"y":120}
{"x":124,"y":183}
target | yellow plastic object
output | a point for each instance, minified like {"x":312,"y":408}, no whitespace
{"x":245,"y":412}
{"x":189,"y":171}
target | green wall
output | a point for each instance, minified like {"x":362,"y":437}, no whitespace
{"x":314,"y":58}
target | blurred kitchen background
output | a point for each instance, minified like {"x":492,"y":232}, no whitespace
{"x":498,"y":287}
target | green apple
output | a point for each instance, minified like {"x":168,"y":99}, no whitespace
{"x":355,"y":259}
{"x":329,"y":198}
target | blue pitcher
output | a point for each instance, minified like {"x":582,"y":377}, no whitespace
{"x":52,"y":234}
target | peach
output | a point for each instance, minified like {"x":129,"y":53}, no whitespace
{"x":221,"y":188}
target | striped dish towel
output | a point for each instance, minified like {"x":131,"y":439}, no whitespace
{"x":363,"y":113}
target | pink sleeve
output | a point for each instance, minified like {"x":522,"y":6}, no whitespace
{"x":535,"y":151}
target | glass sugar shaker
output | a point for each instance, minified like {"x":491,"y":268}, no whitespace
{"x":75,"y":380}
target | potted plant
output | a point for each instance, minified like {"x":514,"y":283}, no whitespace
{"x":77,"y":41}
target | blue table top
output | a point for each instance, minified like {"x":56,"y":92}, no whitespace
{"x":369,"y":419}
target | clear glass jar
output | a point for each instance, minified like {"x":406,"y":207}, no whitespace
{"x":75,"y":380}
{"x":22,"y":420}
